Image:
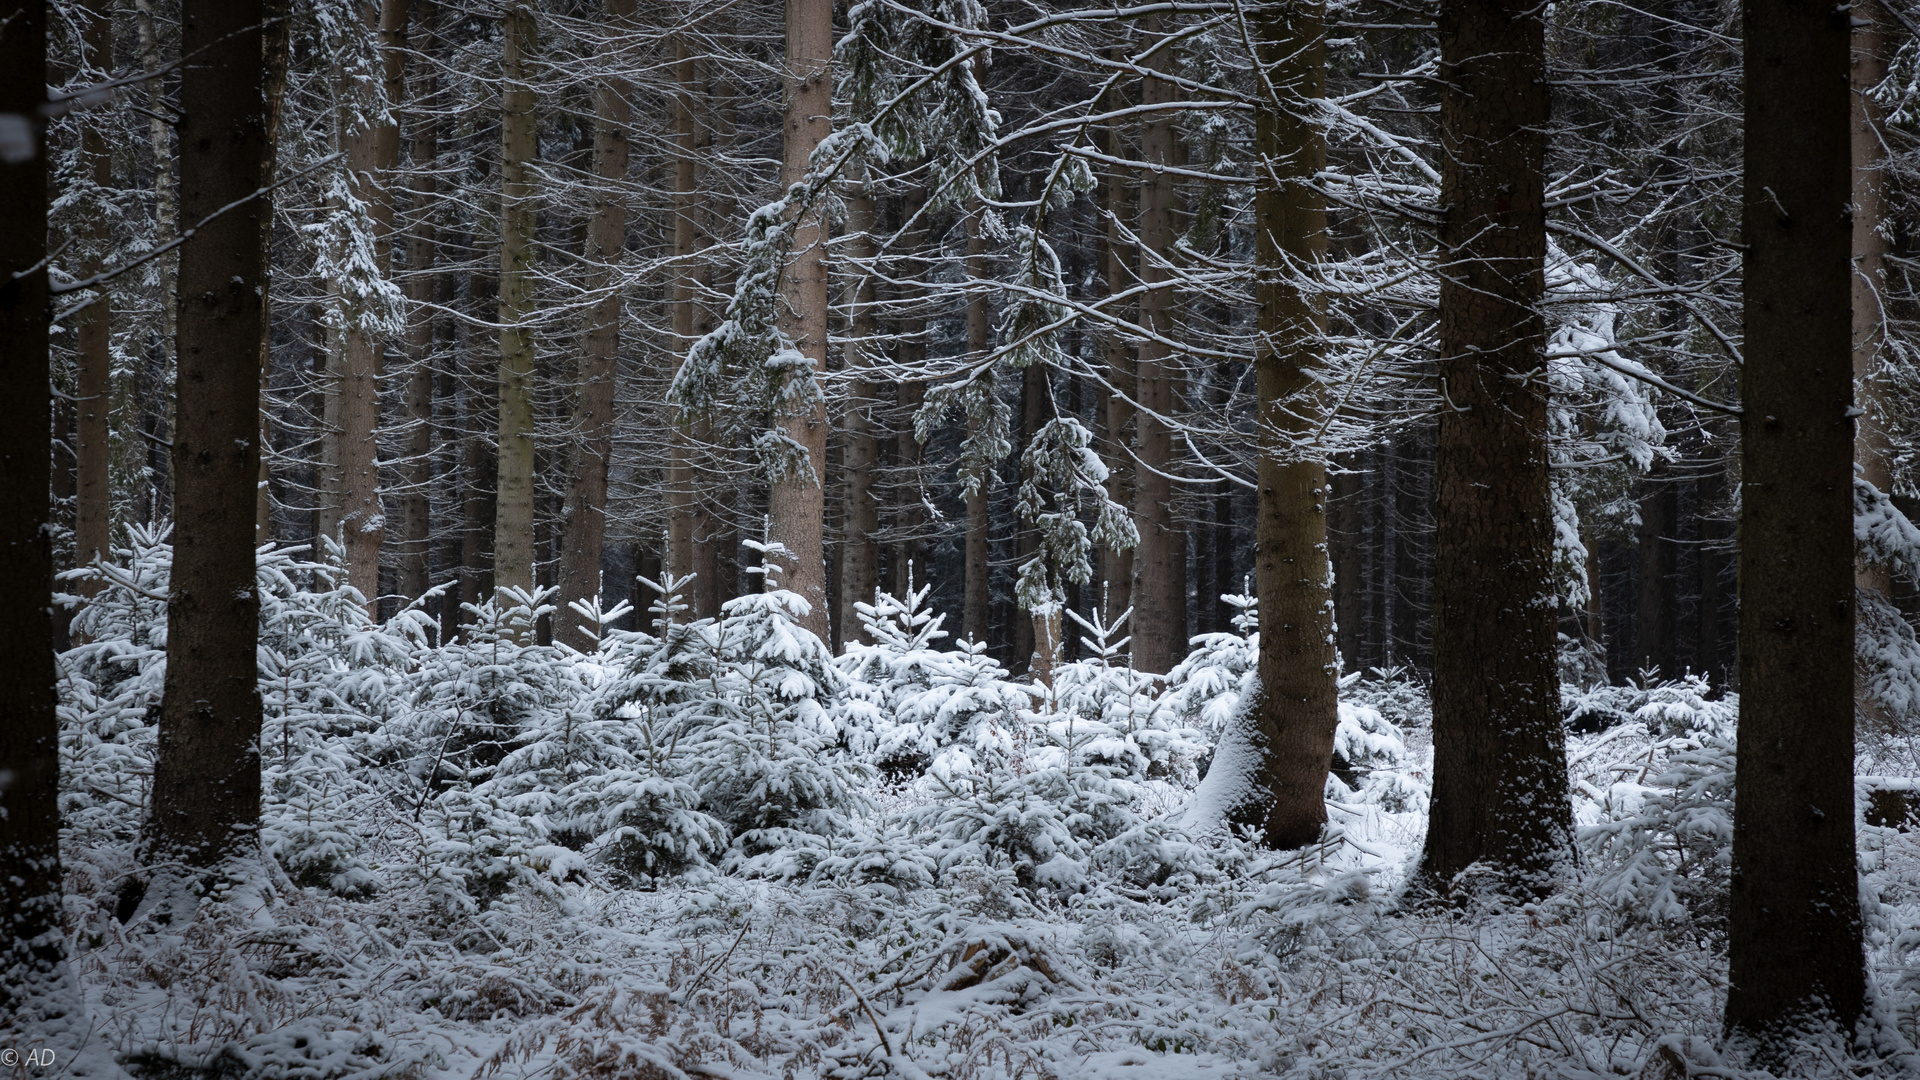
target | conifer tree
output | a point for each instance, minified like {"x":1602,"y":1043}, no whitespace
{"x":206,"y":782}
{"x":585,"y":521}
{"x":1293,"y":720}
{"x":1794,"y":933}
{"x":1500,"y":778}
{"x":796,"y":503}
{"x":33,"y":972}
{"x":513,"y":539}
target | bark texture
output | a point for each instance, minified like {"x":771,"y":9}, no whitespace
{"x":206,"y":782}
{"x":1872,"y":444}
{"x":860,"y":451}
{"x":796,"y":505}
{"x":416,"y":508}
{"x":1794,"y":934}
{"x":1160,"y":562}
{"x":1292,"y":721}
{"x":513,"y":547}
{"x":977,"y":602}
{"x":1500,"y":779}
{"x":93,"y":329}
{"x":585,"y":515}
{"x":692,"y":530}
{"x":32,"y":955}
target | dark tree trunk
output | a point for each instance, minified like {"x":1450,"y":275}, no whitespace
{"x":860,"y":451}
{"x":1656,"y":615}
{"x":36,"y":984}
{"x":977,"y":602}
{"x":1500,"y":777}
{"x":416,"y":509}
{"x":93,"y":329}
{"x":585,"y":515}
{"x":1160,"y":561}
{"x":1344,"y":539}
{"x":1794,"y":934}
{"x":206,"y":782}
{"x":1116,"y":567}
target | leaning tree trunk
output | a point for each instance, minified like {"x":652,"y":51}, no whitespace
{"x":796,"y":504}
{"x":513,"y":496}
{"x":37,"y":989}
{"x":206,"y":780}
{"x":1280,"y":785}
{"x":1160,"y":561}
{"x":860,"y":453}
{"x":1500,"y":777}
{"x":585,"y":515}
{"x":1794,"y":934}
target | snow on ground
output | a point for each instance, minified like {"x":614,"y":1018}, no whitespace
{"x":720,"y":852}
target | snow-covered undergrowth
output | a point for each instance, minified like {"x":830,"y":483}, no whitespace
{"x":715,"y":850}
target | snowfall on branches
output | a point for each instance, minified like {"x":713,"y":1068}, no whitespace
{"x":714,"y":849}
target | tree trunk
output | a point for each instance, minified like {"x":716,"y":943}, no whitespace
{"x":1794,"y":933}
{"x":93,"y":328}
{"x":273,"y":64}
{"x":910,"y":355}
{"x":513,"y":495}
{"x":585,"y":516}
{"x":152,"y":503}
{"x":416,"y":509}
{"x":206,"y":782}
{"x":1291,"y":723}
{"x":1116,"y":567}
{"x":1500,"y":777}
{"x":1037,"y":637}
{"x":1160,"y":562}
{"x":692,"y":530}
{"x":977,"y":604}
{"x":796,"y":505}
{"x":860,"y":452}
{"x":38,"y":987}
{"x":1872,"y":444}
{"x":1345,"y":536}
{"x":1655,"y":615}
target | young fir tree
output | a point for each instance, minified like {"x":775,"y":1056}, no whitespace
{"x":1794,"y":932}
{"x":34,"y":985}
{"x":1500,"y":778}
{"x":206,"y":783}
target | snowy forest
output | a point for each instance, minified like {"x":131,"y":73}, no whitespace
{"x":960,"y":539}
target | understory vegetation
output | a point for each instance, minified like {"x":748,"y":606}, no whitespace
{"x":713,"y":849}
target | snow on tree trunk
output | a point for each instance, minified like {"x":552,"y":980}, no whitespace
{"x":1285,"y":735}
{"x":796,"y":500}
{"x":1794,"y":931}
{"x":1500,"y":778}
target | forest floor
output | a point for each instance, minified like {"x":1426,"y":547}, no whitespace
{"x":1038,"y":896}
{"x":1302,"y":965}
